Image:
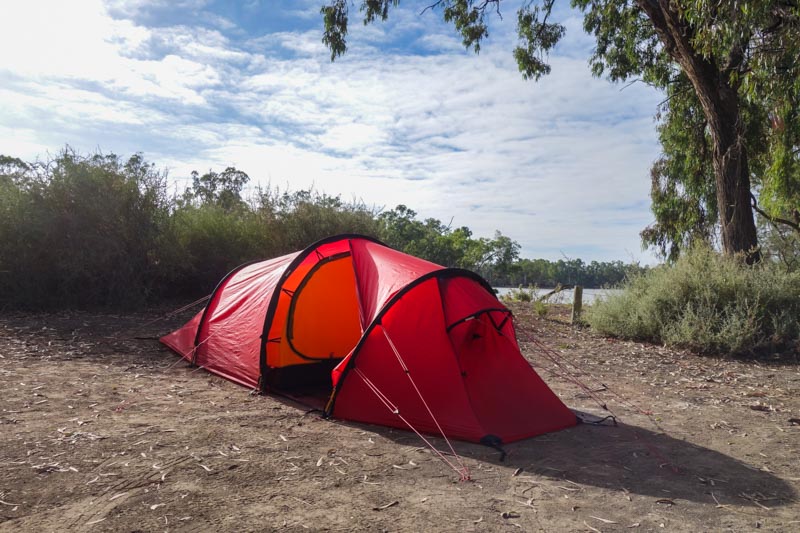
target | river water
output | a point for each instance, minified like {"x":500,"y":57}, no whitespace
{"x":565,"y":297}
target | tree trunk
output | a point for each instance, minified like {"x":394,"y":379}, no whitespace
{"x":720,"y":103}
{"x":732,"y":173}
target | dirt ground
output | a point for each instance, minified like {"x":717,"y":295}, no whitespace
{"x":102,"y":429}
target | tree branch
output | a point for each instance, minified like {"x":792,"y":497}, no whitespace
{"x":431,"y":7}
{"x":673,"y":95}
{"x":773,"y":220}
{"x":481,"y":7}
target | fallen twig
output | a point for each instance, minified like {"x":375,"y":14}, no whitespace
{"x":386,"y":506}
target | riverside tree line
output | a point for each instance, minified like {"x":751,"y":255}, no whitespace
{"x":101,"y":230}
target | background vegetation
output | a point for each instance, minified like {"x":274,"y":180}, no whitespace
{"x":709,"y":303}
{"x":100,"y":230}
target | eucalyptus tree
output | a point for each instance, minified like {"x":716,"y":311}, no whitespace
{"x":728,"y":125}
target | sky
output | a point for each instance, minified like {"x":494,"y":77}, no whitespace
{"x":407,"y":116}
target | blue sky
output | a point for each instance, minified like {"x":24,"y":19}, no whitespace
{"x":407,"y":116}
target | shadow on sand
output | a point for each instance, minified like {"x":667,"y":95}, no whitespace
{"x":629,"y":458}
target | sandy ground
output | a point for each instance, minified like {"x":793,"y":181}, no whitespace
{"x":104,"y":431}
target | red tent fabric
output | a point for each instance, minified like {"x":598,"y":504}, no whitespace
{"x":397,"y":341}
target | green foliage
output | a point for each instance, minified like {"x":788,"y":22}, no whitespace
{"x":82,"y":231}
{"x":537,"y":38}
{"x":204,"y":243}
{"x":494,"y":259}
{"x":743,"y":52}
{"x":79,"y":230}
{"x":335,"y":19}
{"x":304,"y":217}
{"x":596,"y":274}
{"x":468,"y":20}
{"x":526,"y":295}
{"x":212,"y":233}
{"x":779,"y":244}
{"x":708,"y":303}
{"x":683,"y":194}
{"x":97,"y":230}
{"x":223,"y":190}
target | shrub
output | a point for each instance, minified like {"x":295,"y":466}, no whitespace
{"x":707,"y":303}
{"x":307,"y":216}
{"x":526,"y":295}
{"x":202,"y":244}
{"x":79,"y":230}
{"x":521,"y":294}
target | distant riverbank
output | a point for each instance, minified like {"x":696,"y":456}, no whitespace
{"x":565,"y":296}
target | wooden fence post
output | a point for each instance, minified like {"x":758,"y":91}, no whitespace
{"x":577,"y":304}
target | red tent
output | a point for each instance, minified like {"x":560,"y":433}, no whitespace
{"x":397,"y":341}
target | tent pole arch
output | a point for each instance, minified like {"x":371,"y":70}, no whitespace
{"x":438,"y":274}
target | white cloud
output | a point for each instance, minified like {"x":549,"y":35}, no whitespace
{"x":352,"y":137}
{"x":558,"y":165}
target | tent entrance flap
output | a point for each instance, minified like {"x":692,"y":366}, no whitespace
{"x":320,"y":324}
{"x":323,"y":319}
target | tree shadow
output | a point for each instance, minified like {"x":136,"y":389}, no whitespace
{"x":632,"y":459}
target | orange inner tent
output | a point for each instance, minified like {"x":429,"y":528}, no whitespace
{"x":319,"y":318}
